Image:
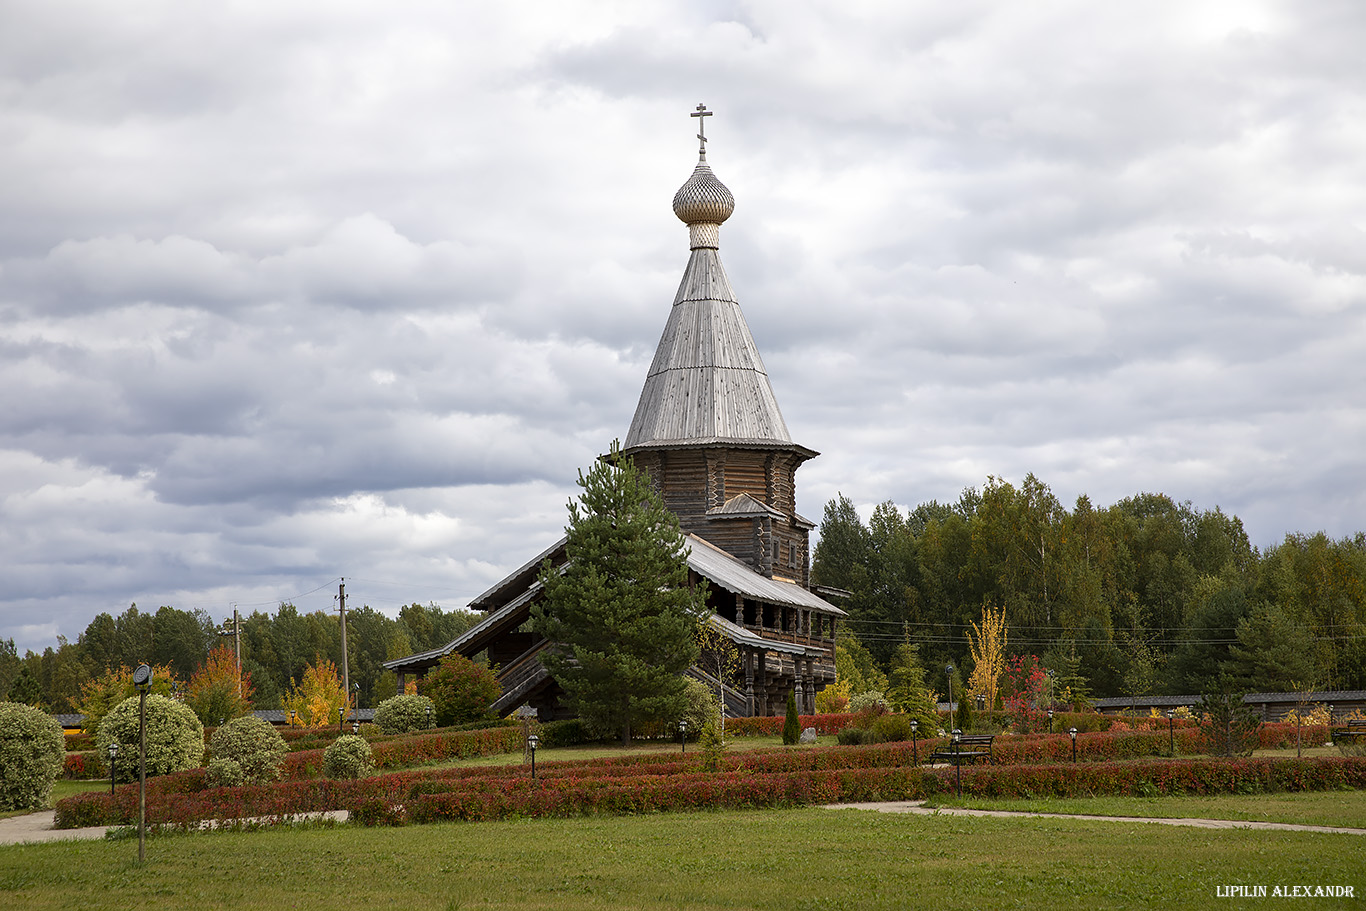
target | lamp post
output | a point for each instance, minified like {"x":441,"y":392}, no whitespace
{"x":355,"y":688}
{"x":429,"y":716}
{"x":533,"y":741}
{"x":355,"y":725}
{"x":113,"y":755}
{"x":1050,"y":721}
{"x":1171,"y":734}
{"x":683,"y":735}
{"x":981,"y":702}
{"x":1073,"y":732}
{"x":142,"y":679}
{"x":341,"y":719}
{"x":915,"y":749}
{"x":958,"y":761}
{"x":948,"y":672}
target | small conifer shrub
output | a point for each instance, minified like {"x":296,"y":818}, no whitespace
{"x":792,"y":728}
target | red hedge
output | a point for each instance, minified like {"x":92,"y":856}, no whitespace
{"x":761,"y":779}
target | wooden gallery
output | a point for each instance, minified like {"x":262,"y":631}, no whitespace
{"x":709,"y":432}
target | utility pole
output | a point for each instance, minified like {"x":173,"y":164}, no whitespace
{"x":237,"y":645}
{"x":236,"y":632}
{"x":346,"y":661}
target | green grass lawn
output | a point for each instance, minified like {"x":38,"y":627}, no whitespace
{"x":1318,"y":808}
{"x":788,"y":859}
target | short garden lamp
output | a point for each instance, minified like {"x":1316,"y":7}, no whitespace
{"x":1073,"y":732}
{"x":1171,"y":733}
{"x":915,"y":749}
{"x":533,"y":741}
{"x":355,"y":725}
{"x":113,"y":755}
{"x":429,"y":716}
{"x":683,"y":734}
{"x":1050,"y":721}
{"x":341,"y":719}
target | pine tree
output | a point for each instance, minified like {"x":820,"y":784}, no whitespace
{"x":906,"y":690}
{"x":621,"y":610}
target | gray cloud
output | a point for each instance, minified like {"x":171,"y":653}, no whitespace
{"x":288,"y":296}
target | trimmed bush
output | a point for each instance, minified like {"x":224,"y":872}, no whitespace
{"x":224,"y":773}
{"x":891,"y":728}
{"x":569,"y":732}
{"x":701,"y":706}
{"x":32,"y":749}
{"x":252,"y":745}
{"x":870,"y":701}
{"x":461,"y":690}
{"x":349,"y":756}
{"x":175,"y":737}
{"x":404,"y":714}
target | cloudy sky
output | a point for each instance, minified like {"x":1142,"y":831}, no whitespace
{"x":296,"y":291}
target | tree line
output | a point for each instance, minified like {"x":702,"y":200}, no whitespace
{"x":1148,"y":596}
{"x":276,"y":648}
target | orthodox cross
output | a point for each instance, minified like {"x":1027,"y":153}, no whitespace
{"x":702,"y":126}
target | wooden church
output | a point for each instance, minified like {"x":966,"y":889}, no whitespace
{"x":709,"y":432}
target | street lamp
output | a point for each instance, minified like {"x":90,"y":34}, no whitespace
{"x":1171,"y":734}
{"x":981,"y":702}
{"x":533,"y":741}
{"x":113,"y":755}
{"x":958,"y":760}
{"x":355,"y":725}
{"x":683,"y":734}
{"x":341,"y":719}
{"x":1050,"y":721}
{"x":948,"y":672}
{"x":429,"y":716}
{"x":915,"y":749}
{"x":1073,"y":732}
{"x":142,"y":679}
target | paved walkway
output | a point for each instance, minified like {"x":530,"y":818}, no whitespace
{"x":34,"y":827}
{"x":918,"y":807}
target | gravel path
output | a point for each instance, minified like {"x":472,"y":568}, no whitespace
{"x":34,"y":827}
{"x":918,"y":807}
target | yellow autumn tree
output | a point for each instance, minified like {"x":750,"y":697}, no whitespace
{"x":988,"y":649}
{"x":318,"y":698}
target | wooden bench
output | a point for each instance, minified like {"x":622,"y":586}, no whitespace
{"x":969,"y":749}
{"x":1353,"y":733}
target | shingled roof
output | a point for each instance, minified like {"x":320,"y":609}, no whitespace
{"x":707,"y":384}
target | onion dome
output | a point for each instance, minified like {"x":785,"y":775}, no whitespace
{"x":704,"y":202}
{"x":703,"y":198}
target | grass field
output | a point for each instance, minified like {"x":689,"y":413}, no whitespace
{"x":792,"y":859}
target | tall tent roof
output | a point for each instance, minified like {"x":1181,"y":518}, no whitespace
{"x":707,"y":384}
